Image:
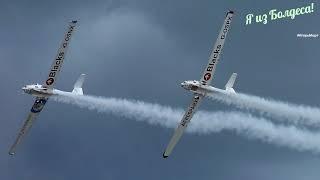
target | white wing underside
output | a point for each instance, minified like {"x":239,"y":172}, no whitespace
{"x":58,"y":61}
{"x":27,"y":125}
{"x":35,"y":110}
{"x":216,"y":51}
{"x":183,"y":124}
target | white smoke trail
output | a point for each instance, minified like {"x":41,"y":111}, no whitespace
{"x":297,"y":114}
{"x":203,"y":122}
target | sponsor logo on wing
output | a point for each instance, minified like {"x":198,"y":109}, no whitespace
{"x":59,"y":59}
{"x":190,"y":111}
{"x":213,"y":60}
{"x":226,"y":28}
{"x":207,"y":76}
{"x":49,"y":81}
{"x":38,"y":105}
{"x":216,"y":53}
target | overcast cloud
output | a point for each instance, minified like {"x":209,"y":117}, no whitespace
{"x":143,"y":49}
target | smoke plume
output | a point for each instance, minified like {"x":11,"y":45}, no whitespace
{"x":203,"y":122}
{"x":296,"y":114}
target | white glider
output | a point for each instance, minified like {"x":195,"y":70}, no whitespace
{"x":43,"y":92}
{"x":202,"y":88}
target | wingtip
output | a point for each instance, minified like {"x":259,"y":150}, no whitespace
{"x":11,"y":153}
{"x":164,"y":156}
{"x":74,"y":21}
{"x":229,"y":12}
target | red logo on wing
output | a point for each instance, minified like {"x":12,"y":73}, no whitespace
{"x":207,"y":76}
{"x":49,"y":81}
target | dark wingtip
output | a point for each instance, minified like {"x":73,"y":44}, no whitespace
{"x":164,"y":156}
{"x":231,"y":12}
{"x":74,"y":21}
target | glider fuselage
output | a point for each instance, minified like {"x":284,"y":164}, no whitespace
{"x":39,"y":90}
{"x":198,"y":88}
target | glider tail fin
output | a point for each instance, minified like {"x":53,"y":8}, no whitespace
{"x":77,"y":88}
{"x":230,"y":83}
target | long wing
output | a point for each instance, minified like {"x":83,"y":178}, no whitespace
{"x":216,"y":51}
{"x":53,"y":74}
{"x":183,"y":124}
{"x":57,"y":63}
{"x":35,"y":110}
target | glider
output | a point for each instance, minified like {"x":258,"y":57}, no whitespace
{"x":202,"y":88}
{"x":44,"y":91}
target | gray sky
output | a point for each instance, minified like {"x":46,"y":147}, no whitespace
{"x":143,"y":49}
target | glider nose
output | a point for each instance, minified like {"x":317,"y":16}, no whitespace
{"x":25,"y":89}
{"x":185,"y":85}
